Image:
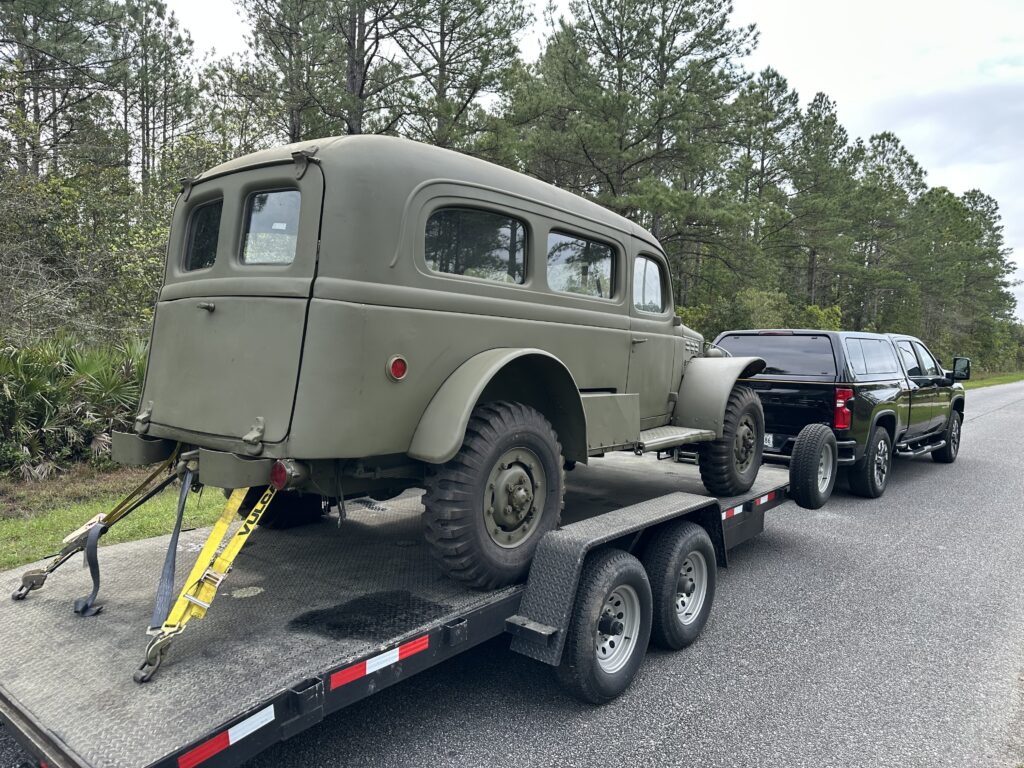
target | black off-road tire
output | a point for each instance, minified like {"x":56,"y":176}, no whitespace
{"x":719,"y":470}
{"x":863,"y":476}
{"x":813,"y":466}
{"x":947,"y":453}
{"x":680,"y":556}
{"x":288,"y":509}
{"x":456,"y":526}
{"x":580,"y":671}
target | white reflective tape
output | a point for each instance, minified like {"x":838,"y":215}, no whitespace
{"x":763,"y":500}
{"x":384,"y":660}
{"x":251,"y":724}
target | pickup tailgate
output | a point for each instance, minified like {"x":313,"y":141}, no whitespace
{"x":789,"y":406}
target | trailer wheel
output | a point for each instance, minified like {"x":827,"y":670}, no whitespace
{"x":869,"y":476}
{"x":610,"y":627}
{"x":947,"y":453}
{"x":487,"y":509}
{"x":813,"y":466}
{"x":288,"y":509}
{"x":680,"y":562}
{"x":729,"y":465}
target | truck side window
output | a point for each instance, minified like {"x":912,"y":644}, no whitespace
{"x":909,"y":359}
{"x":203,"y":234}
{"x":271,"y":227}
{"x":878,"y":356}
{"x":578,"y":265}
{"x":476,"y":243}
{"x":931,"y":368}
{"x":648,"y":285}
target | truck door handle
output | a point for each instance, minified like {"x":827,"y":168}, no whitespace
{"x":638,"y":340}
{"x":209,"y":306}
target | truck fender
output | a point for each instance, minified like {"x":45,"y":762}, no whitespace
{"x":529,"y":376}
{"x":704,"y":392}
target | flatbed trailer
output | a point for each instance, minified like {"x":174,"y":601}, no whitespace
{"x":292,"y":639}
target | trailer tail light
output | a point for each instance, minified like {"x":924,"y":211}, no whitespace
{"x":288,"y":473}
{"x":842,"y":413}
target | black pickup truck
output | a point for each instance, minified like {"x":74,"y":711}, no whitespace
{"x":879,"y":393}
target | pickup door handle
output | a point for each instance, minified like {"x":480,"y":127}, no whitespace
{"x":638,"y":340}
{"x":209,"y":306}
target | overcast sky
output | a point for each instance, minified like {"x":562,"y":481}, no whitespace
{"x":946,"y":76}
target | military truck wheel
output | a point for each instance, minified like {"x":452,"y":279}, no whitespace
{"x":869,"y":476}
{"x":947,"y":453}
{"x":813,"y":466}
{"x":288,"y":509}
{"x":729,"y":465}
{"x":609,"y":629}
{"x":487,"y":508}
{"x":680,"y":562}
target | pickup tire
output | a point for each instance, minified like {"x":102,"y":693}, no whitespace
{"x":680,"y":563}
{"x":869,"y":476}
{"x":813,"y":466}
{"x":609,"y":629}
{"x":947,"y":453}
{"x":487,"y":509}
{"x":729,"y":465}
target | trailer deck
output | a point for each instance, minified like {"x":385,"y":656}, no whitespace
{"x":290,"y":639}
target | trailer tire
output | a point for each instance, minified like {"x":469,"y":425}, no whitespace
{"x":947,"y":453}
{"x":729,"y":465}
{"x":479,"y":530}
{"x":288,"y":509}
{"x":869,"y":476}
{"x":813,"y":466}
{"x":614,"y":594}
{"x":680,"y":563}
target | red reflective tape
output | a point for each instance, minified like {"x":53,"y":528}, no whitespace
{"x":771,"y":496}
{"x":205,"y":751}
{"x":413,"y":646}
{"x":346,"y":676}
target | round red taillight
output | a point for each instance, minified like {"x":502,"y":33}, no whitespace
{"x":279,"y":475}
{"x":397,"y":368}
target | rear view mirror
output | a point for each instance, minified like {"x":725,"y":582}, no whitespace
{"x":961,"y":368}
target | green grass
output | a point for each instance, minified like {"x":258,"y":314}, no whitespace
{"x":35,"y":516}
{"x":990,"y":379}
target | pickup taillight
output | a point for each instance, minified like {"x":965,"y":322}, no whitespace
{"x":842,"y":413}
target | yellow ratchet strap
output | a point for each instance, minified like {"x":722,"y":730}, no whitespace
{"x":206,"y":576}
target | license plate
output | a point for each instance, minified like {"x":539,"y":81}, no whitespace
{"x":769,"y":441}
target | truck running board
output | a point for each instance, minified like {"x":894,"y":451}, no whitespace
{"x":911,"y":452}
{"x":663,"y":438}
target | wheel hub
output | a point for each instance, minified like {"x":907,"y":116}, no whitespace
{"x":692,"y":587}
{"x":617,"y":628}
{"x":744,"y":443}
{"x":513,"y":497}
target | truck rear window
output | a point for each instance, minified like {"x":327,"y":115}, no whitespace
{"x":203,"y":234}
{"x":789,"y":354}
{"x":871,"y":356}
{"x":271,"y":227}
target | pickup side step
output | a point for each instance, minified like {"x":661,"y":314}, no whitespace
{"x":663,"y":438}
{"x":905,"y":450}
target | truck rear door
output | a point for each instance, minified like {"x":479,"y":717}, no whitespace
{"x":228,"y":332}
{"x":923,"y":391}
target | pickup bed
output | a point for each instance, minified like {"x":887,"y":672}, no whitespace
{"x":880,"y":393}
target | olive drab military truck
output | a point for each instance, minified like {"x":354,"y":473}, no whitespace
{"x":363,"y":315}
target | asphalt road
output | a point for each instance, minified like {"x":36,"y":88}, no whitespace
{"x":867,"y":633}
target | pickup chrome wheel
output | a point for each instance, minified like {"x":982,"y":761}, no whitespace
{"x":486,"y":510}
{"x":813,"y":466}
{"x":609,"y":628}
{"x":869,"y":476}
{"x":947,"y":453}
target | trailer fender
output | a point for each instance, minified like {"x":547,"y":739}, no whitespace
{"x":540,"y":626}
{"x":705,"y":389}
{"x":529,"y":376}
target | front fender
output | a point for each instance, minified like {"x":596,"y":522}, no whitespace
{"x":707,"y":384}
{"x":442,"y":427}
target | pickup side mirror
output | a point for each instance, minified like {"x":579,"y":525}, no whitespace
{"x":961,"y":368}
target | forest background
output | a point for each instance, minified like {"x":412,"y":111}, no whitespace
{"x":770,"y":212}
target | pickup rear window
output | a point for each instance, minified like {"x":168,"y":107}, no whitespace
{"x":871,"y":356}
{"x":788,"y":354}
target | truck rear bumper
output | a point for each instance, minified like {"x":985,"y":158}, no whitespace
{"x":219,"y":469}
{"x":847,"y":452}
